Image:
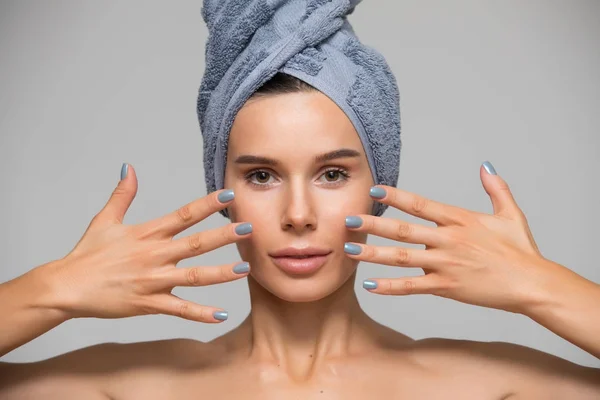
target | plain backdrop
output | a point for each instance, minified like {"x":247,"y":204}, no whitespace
{"x":88,"y":85}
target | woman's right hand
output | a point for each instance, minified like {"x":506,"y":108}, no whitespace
{"x":119,"y":270}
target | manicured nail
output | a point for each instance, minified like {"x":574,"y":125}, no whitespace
{"x":226,"y":196}
{"x":243,"y":228}
{"x":377,"y":192}
{"x":353,"y":221}
{"x":220,"y":315}
{"x":241,"y":268}
{"x":352,"y":248}
{"x":124,"y":169}
{"x":489,"y":168}
{"x":369,"y":284}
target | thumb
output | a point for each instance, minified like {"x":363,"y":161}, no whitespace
{"x":502,"y":199}
{"x":121,"y":198}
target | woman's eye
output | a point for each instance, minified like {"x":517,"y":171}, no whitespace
{"x":261,"y":178}
{"x":336,"y":176}
{"x":333,"y":174}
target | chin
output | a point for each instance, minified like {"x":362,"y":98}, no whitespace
{"x":306,"y":288}
{"x":298,"y":291}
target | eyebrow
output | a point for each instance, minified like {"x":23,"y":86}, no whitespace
{"x":340,"y":153}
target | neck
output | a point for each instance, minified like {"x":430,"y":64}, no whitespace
{"x":299,"y":336}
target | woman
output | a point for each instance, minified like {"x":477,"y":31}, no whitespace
{"x":306,"y":335}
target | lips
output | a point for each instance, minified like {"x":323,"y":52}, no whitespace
{"x":300,"y":265}
{"x":300,"y":252}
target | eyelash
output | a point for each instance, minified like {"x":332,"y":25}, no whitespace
{"x":344,"y":172}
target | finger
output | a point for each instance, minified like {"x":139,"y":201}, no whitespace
{"x":422,"y":207}
{"x":202,"y":276}
{"x":395,"y":256}
{"x":170,"y":304}
{"x":203,"y":242}
{"x":190,"y":214}
{"x":424,"y":284}
{"x":503,"y":201}
{"x":397,"y":230}
{"x":121,"y":197}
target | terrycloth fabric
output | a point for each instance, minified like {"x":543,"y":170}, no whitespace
{"x":251,"y":40}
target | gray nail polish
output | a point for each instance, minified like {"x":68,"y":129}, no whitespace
{"x":124,"y":169}
{"x":369,"y":284}
{"x":489,"y":168}
{"x":352,"y":248}
{"x":226,"y":196}
{"x":220,"y":315}
{"x":377,"y":192}
{"x":353,"y":221}
{"x":243,"y":228}
{"x":241,"y":268}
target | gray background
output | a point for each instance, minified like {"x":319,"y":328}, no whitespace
{"x":86,"y":85}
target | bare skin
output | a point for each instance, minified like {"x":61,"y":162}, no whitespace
{"x":306,"y":337}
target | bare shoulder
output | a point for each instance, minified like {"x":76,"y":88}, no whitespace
{"x":94,"y":371}
{"x":524,"y":371}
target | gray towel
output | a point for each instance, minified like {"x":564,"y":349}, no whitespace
{"x":251,"y":40}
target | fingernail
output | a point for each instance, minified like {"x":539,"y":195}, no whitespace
{"x":369,"y":284}
{"x":243,"y":228}
{"x":352,"y":248}
{"x":353,"y":221}
{"x":124,"y":169}
{"x":220,"y":315}
{"x":226,"y":196}
{"x":377,"y":192}
{"x":489,"y":168}
{"x":241,"y":268}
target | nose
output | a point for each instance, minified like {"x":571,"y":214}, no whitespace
{"x":299,"y":212}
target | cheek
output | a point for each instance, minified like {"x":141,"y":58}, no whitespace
{"x":252,"y":207}
{"x":344,"y":204}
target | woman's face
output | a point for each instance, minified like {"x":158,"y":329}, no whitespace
{"x":297,"y":201}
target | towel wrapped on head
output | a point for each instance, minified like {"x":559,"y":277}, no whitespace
{"x":251,"y":40}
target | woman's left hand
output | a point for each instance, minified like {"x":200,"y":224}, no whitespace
{"x":476,"y":258}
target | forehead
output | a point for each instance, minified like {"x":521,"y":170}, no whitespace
{"x":307,"y":122}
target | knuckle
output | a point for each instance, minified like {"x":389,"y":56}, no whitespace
{"x":202,"y":314}
{"x":404,"y":231}
{"x":443,"y":287}
{"x":367,"y":252}
{"x":461,"y":217}
{"x":119,"y":191}
{"x":184,"y":214}
{"x":402,"y":256}
{"x":195,"y":276}
{"x":213,"y":202}
{"x":145,"y":307}
{"x":503,"y":186}
{"x":389,"y":287}
{"x":409,"y":286}
{"x":227,"y":235}
{"x":368,"y":223}
{"x":419,"y":204}
{"x":195,"y":243}
{"x":224,"y":273}
{"x":183,"y":309}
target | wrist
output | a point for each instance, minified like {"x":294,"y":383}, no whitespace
{"x":558,"y":288}
{"x":47,"y":294}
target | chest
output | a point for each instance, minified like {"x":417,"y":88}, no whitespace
{"x":232,"y":384}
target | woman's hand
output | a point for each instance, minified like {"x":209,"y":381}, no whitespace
{"x":476,"y":258}
{"x":119,"y":270}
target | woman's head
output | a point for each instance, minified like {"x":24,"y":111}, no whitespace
{"x":296,"y":200}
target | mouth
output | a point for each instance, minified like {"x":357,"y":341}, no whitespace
{"x":300,"y":265}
